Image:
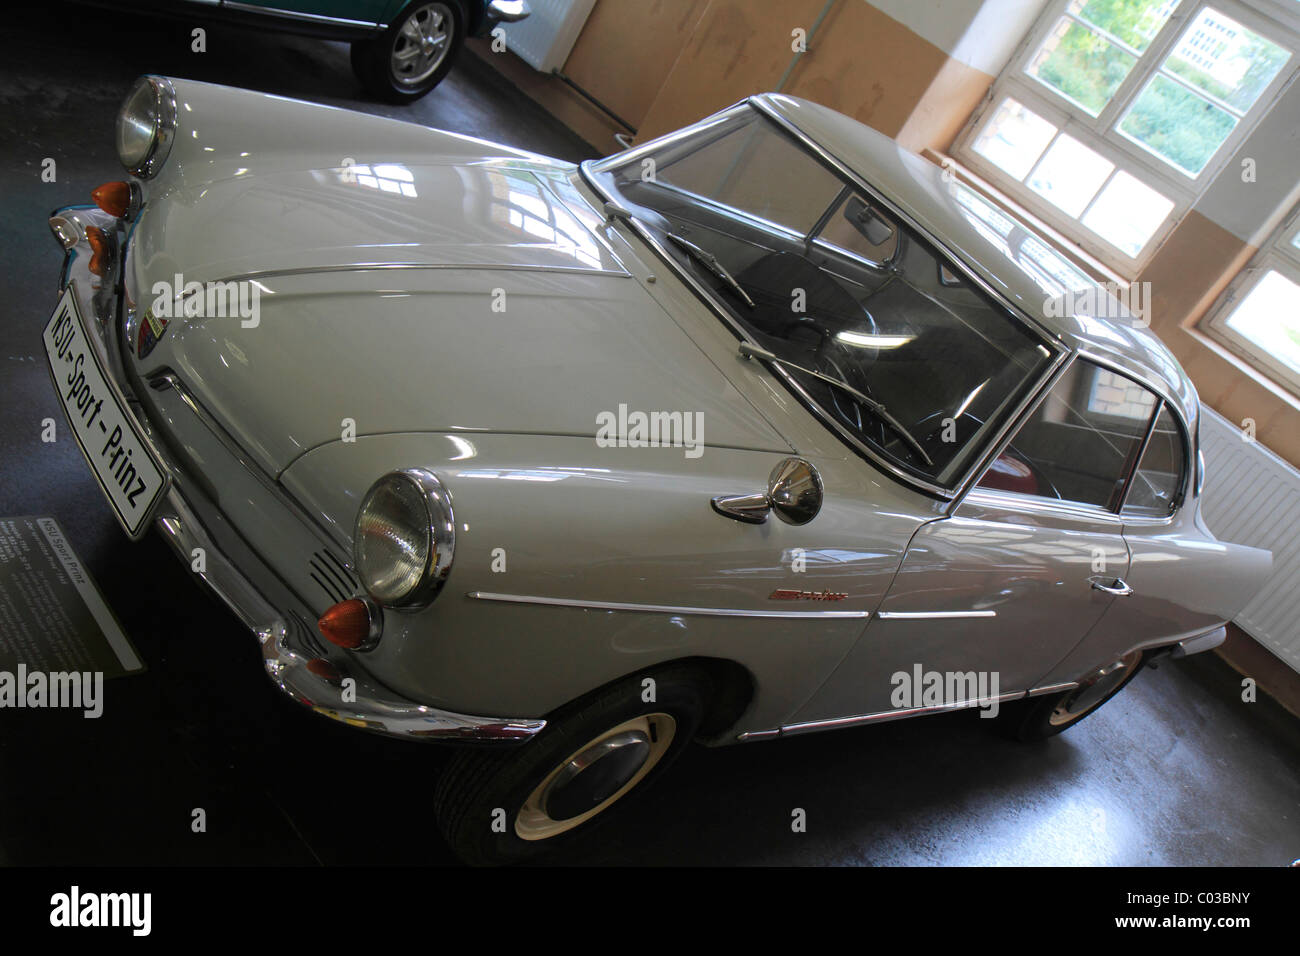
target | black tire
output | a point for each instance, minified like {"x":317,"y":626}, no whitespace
{"x":477,"y":785}
{"x":372,"y":60}
{"x":1037,"y":718}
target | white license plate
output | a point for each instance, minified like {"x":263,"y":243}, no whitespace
{"x":121,"y":460}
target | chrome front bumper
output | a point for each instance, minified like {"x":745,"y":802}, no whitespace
{"x":329,"y":686}
{"x":298,"y":661}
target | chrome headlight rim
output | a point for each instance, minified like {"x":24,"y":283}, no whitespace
{"x":161,"y":116}
{"x":441,"y":524}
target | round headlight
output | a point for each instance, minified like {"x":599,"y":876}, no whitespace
{"x":146,"y":125}
{"x":405,"y":538}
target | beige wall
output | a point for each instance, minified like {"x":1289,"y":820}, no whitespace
{"x":860,"y":61}
{"x":660,"y":64}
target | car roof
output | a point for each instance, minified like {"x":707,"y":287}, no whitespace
{"x":958,"y":217}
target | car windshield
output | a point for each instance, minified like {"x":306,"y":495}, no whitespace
{"x":880,"y":334}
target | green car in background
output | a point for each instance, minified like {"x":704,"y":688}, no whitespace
{"x":401,"y":49}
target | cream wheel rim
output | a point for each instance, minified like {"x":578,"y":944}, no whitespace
{"x":578,"y":788}
{"x":1094,"y":692}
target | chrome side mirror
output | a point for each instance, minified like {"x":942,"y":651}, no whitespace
{"x":794,"y":492}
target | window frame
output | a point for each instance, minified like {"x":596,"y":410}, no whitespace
{"x":1101,"y":134}
{"x":1079,"y":509}
{"x":1180,"y":491}
{"x":1275,"y":255}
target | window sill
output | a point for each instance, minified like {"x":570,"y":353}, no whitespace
{"x":1067,"y":247}
{"x":1243,"y":365}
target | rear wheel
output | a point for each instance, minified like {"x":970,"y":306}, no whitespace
{"x":1041,"y":717}
{"x":504,"y":806}
{"x":413,"y":55}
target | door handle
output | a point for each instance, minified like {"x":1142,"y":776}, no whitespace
{"x":1117,"y":587}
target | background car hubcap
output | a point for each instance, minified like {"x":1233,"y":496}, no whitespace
{"x":595,"y":776}
{"x":422,"y":44}
{"x":1094,"y":691}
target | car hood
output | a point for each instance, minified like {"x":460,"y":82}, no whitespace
{"x":454,"y":298}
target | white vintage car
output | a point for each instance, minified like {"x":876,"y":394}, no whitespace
{"x":761,"y":428}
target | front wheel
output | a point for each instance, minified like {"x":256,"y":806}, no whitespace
{"x":413,"y":55}
{"x":503,"y":806}
{"x":1047,"y":716}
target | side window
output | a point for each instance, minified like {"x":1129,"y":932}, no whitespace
{"x":1081,"y":442}
{"x":1159,"y":477}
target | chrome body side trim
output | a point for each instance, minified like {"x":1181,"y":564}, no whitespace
{"x":660,"y":608}
{"x":931,"y":615}
{"x":835,"y":723}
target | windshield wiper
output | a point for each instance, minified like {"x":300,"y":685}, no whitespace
{"x":749,"y":350}
{"x":710,"y":262}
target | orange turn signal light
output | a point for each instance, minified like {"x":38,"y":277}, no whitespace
{"x":347,"y":624}
{"x":113,"y":198}
{"x":98,"y":243}
{"x":324,"y":669}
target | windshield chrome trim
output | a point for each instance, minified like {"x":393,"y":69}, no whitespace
{"x":1053,"y":343}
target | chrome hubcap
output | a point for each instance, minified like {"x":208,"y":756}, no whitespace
{"x":1093,"y":691}
{"x":422,"y":43}
{"x":595,"y":776}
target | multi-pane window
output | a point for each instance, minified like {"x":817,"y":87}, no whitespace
{"x":1259,"y":315}
{"x":1114,"y":114}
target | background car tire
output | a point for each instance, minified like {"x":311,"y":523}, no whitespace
{"x":481,"y":795}
{"x":1039,"y":718}
{"x":373,"y":61}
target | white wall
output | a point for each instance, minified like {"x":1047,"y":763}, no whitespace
{"x":1247,"y":209}
{"x":980,"y":33}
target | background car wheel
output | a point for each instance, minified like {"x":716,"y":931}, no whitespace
{"x":593,"y":757}
{"x":413,"y":55}
{"x":1041,"y":717}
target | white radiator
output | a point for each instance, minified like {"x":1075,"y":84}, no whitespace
{"x":544,"y":38}
{"x":1253,"y":497}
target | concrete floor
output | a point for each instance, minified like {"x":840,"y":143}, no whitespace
{"x":1176,"y":770}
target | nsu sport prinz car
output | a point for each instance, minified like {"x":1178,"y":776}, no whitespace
{"x":722,"y":438}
